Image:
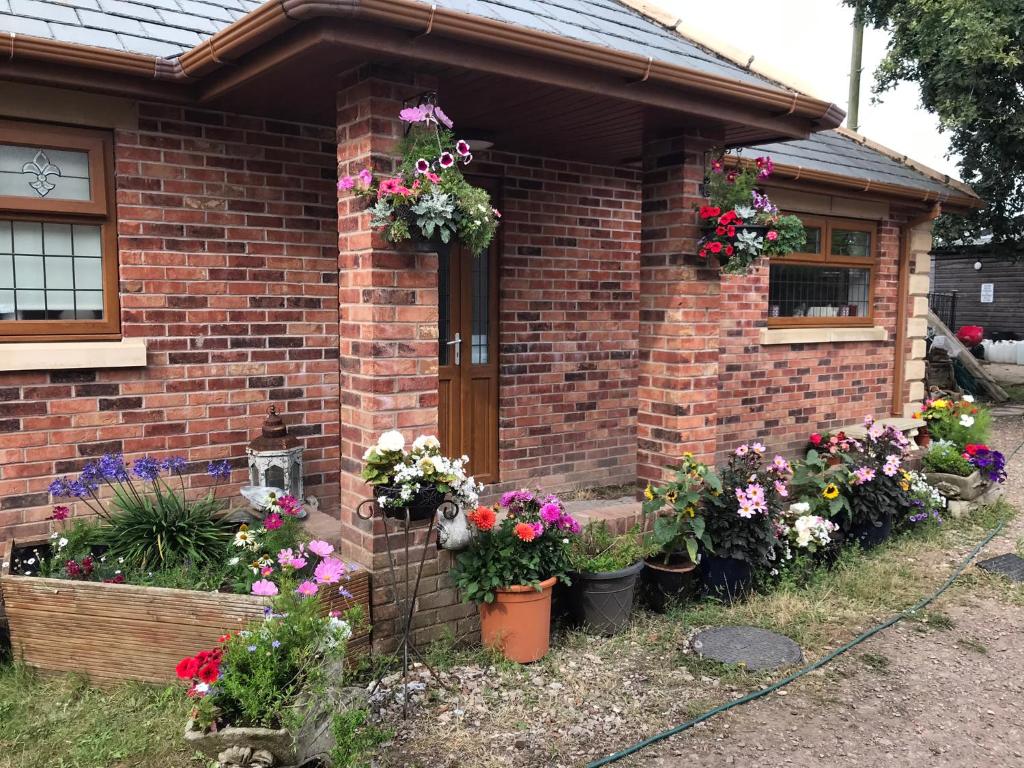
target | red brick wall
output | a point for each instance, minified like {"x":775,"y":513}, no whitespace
{"x":569,"y":314}
{"x":228,"y":267}
{"x":779,"y":394}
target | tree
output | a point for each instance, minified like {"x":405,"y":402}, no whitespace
{"x":967,"y":57}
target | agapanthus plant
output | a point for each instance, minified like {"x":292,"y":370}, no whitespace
{"x":151,"y":522}
{"x":526,"y":546}
{"x":427,"y":198}
{"x":741,"y":223}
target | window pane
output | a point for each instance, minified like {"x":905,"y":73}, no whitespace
{"x":797,"y":290}
{"x":444,"y":317}
{"x":37,"y":172}
{"x":52,"y":280}
{"x":851,"y":242}
{"x":813,"y":244}
{"x":481,"y":309}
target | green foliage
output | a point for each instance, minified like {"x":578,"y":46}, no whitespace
{"x":500,"y":556}
{"x":164,"y":530}
{"x":678,"y":511}
{"x":792,"y":236}
{"x":77,"y":540}
{"x":820,"y":485}
{"x":356,"y":739}
{"x":967,"y":58}
{"x":598,"y":550}
{"x":946,"y":458}
{"x":729,"y":191}
{"x":962,"y":422}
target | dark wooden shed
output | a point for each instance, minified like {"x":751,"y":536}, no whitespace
{"x":988,"y":288}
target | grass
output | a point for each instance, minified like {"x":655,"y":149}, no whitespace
{"x":1015,"y":392}
{"x":62,"y":722}
{"x":972,"y":645}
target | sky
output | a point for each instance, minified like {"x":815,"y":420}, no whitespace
{"x":812,"y":40}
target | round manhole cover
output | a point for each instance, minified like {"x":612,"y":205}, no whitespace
{"x":755,"y":648}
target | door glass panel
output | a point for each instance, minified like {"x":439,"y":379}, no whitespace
{"x":481,"y":309}
{"x":444,"y":307}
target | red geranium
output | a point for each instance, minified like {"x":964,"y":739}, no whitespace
{"x":703,"y":253}
{"x":719,"y":230}
{"x":729,"y":250}
{"x":715,"y":247}
{"x":209,"y":673}
{"x":727,"y":218}
{"x":710,"y":212}
{"x":815,"y":439}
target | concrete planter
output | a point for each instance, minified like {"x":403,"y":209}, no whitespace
{"x":959,"y":488}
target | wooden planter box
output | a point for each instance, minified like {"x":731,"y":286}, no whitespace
{"x":113,"y":632}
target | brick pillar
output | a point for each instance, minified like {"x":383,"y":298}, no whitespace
{"x":679,"y":312}
{"x":388,"y":311}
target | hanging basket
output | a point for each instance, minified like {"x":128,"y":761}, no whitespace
{"x":431,"y":245}
{"x":422,"y":506}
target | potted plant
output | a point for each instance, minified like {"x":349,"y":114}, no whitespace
{"x":677,"y":532}
{"x":267,"y":694}
{"x":605,"y":568}
{"x":740,"y":223}
{"x":807,"y":532}
{"x":961,"y":422}
{"x":148,"y":556}
{"x":927,"y":503}
{"x":427,"y":199}
{"x":873,"y":485}
{"x":417,"y":480}
{"x":832,"y":446}
{"x":510,"y":567}
{"x":963,"y":476}
{"x":741,"y":521}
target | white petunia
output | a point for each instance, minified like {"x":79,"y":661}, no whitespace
{"x":966,"y":421}
{"x":968,"y":398}
{"x":391,"y":441}
{"x":62,"y":542}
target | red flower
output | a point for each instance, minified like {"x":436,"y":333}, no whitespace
{"x":224,"y":638}
{"x":715,"y":247}
{"x":727,"y":218}
{"x":703,"y":253}
{"x":973,"y":448}
{"x":209,"y":673}
{"x":483,"y":518}
{"x":60,"y":512}
{"x":186,"y":668}
{"x":719,"y":230}
{"x":730,"y":231}
{"x":710,"y":211}
{"x":815,"y":439}
{"x":729,"y":250}
{"x":525,"y":531}
{"x":117,"y":578}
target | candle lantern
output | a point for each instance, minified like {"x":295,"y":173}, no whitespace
{"x":275,"y":458}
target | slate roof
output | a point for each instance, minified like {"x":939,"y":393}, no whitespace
{"x":832,"y":152}
{"x":171,"y":27}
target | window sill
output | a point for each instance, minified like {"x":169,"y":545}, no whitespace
{"x":62,"y":355}
{"x":821,"y":335}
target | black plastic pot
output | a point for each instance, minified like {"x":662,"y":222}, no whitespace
{"x":422,"y":506}
{"x":726,"y":578}
{"x":433,"y":245}
{"x":603,"y":602}
{"x":665,"y":583}
{"x":870,"y":535}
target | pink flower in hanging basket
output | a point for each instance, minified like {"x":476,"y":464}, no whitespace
{"x":446,"y":160}
{"x":462,"y":147}
{"x":422,"y":166}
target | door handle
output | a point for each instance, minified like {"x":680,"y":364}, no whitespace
{"x":457,"y":342}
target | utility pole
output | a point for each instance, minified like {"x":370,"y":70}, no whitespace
{"x":856,"y":59}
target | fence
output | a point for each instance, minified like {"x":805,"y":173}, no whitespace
{"x":944,"y":306}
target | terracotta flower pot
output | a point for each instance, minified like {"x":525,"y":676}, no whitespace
{"x":923,"y":437}
{"x":518,"y":622}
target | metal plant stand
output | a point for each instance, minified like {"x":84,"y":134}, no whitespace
{"x":405,"y":605}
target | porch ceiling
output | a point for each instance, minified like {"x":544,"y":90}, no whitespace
{"x":523,"y":106}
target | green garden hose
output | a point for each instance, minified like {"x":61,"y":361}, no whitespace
{"x":799,"y":673}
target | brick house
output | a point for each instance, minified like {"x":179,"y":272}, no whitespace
{"x":175,"y":257}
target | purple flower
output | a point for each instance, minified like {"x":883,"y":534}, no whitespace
{"x":538,"y":528}
{"x":251,"y":648}
{"x":416,"y":114}
{"x":146,"y":468}
{"x":220,"y":470}
{"x":346,"y":182}
{"x":462,"y":147}
{"x":63,"y":487}
{"x":863,"y":475}
{"x":446,"y":160}
{"x":515,"y":500}
{"x":275,"y":644}
{"x":175,"y":464}
{"x":442,"y":118}
{"x":112,"y":467}
{"x":91,"y":475}
{"x":550,"y":513}
{"x":365,"y":177}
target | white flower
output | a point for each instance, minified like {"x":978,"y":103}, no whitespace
{"x":30,"y":561}
{"x":233,"y":561}
{"x":120,"y":561}
{"x":800,"y":508}
{"x":245,"y":538}
{"x":368,"y":453}
{"x":202,"y":687}
{"x":968,"y":398}
{"x":966,"y":421}
{"x":440,"y":465}
{"x":424,"y":442}
{"x":391,"y":441}
{"x":54,"y":535}
{"x":62,"y":542}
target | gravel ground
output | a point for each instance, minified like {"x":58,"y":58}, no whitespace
{"x":945,"y":692}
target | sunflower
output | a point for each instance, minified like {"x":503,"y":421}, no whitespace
{"x":831,"y":491}
{"x":672,"y":496}
{"x":649,"y":492}
{"x":691,"y":510}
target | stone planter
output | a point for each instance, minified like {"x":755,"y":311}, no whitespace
{"x":115,"y":632}
{"x":232,"y":747}
{"x":958,"y":488}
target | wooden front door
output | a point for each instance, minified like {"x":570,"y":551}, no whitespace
{"x":468,"y":358}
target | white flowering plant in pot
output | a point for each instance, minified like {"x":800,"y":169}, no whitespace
{"x":418,"y":479}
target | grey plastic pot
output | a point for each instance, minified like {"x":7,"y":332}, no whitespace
{"x":603,"y":602}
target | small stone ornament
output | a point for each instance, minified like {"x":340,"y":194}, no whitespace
{"x":454,"y":532}
{"x":245,"y":757}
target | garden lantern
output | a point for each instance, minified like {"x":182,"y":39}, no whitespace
{"x":275,"y":458}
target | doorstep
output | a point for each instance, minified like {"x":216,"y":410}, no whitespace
{"x":909,"y":427}
{"x":620,"y":514}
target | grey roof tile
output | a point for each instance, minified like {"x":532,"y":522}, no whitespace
{"x":110,"y":22}
{"x":149,"y":47}
{"x":24,"y":26}
{"x":219,"y":12}
{"x":116,"y":8}
{"x":188,"y":21}
{"x":85,"y":36}
{"x":832,"y":152}
{"x":44,"y":10}
{"x":168,"y":34}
